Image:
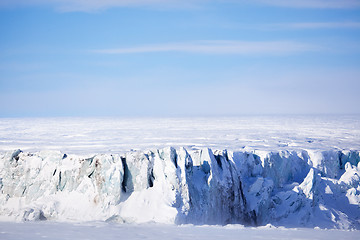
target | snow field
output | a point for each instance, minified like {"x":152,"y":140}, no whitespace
{"x":105,"y":231}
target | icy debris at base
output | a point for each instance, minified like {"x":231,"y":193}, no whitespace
{"x":294,"y":189}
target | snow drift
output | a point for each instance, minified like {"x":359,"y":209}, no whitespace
{"x":287,"y":188}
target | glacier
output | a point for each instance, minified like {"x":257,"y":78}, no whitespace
{"x":291,"y":188}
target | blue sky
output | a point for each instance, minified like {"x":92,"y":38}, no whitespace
{"x":179,"y":58}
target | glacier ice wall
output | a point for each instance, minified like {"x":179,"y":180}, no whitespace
{"x":288,"y":188}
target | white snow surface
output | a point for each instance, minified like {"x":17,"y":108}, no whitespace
{"x":114,"y":135}
{"x":105,"y":231}
{"x":292,"y":172}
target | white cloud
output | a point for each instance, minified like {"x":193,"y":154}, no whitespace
{"x":304,"y":25}
{"x":219,"y":47}
{"x":312,"y":3}
{"x":95,"y":5}
{"x":316,"y":25}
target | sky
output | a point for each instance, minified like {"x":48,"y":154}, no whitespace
{"x":179,"y":58}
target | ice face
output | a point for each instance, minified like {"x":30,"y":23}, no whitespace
{"x":290,"y":188}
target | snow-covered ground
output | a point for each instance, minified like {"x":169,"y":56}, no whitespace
{"x":105,"y":231}
{"x":297,"y":172}
{"x":108,"y":135}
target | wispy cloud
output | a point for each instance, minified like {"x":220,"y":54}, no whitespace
{"x":96,"y":5}
{"x":302,"y":25}
{"x":319,"y":25}
{"x":312,"y":3}
{"x":219,"y":47}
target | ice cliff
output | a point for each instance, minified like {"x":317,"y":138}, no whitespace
{"x":287,"y":188}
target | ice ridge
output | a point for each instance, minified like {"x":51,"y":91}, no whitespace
{"x":286,"y":188}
